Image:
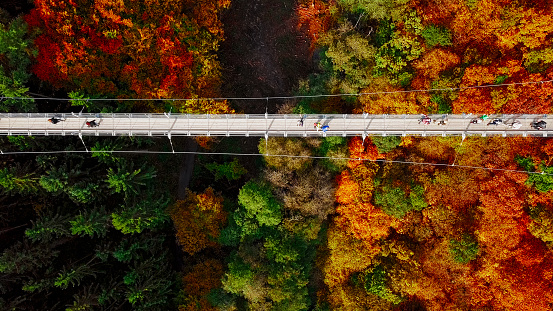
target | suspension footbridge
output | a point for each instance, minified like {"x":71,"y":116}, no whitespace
{"x":265,"y":125}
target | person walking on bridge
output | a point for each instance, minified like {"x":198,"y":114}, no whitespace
{"x":539,"y":125}
{"x":55,"y":120}
{"x":300,"y":121}
{"x":92,"y":123}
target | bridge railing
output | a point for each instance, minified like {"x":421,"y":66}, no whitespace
{"x":258,"y":116}
{"x":341,"y":124}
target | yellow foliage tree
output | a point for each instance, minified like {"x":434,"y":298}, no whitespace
{"x":527,"y":26}
{"x":339,"y":265}
{"x":198,"y":220}
{"x":390,"y":103}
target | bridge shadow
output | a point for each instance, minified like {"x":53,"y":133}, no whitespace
{"x":512,"y":119}
{"x":323,"y":119}
{"x":326,"y":120}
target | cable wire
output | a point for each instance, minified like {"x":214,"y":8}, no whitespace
{"x":267,"y":98}
{"x":271,"y":155}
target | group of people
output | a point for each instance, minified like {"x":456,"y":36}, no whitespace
{"x":56,"y":120}
{"x":317,"y":125}
{"x":538,"y":125}
{"x":426,"y":120}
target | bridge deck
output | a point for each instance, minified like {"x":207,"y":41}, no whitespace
{"x":263,"y":125}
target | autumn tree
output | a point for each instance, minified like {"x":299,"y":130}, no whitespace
{"x":310,"y":191}
{"x":109,"y":49}
{"x":339,"y":265}
{"x":475,"y":100}
{"x":379,"y":9}
{"x":314,"y":18}
{"x":199,"y":282}
{"x":285,"y":146}
{"x":198,"y":220}
{"x":526,"y":26}
{"x":432,"y":63}
{"x":351,"y":56}
{"x":385,"y":98}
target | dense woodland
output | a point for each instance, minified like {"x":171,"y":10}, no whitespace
{"x":104,"y":231}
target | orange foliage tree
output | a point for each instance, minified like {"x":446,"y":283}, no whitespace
{"x":479,"y":23}
{"x":476,"y":100}
{"x":455,"y":188}
{"x":358,"y":226}
{"x":198,"y":220}
{"x":207,"y":13}
{"x":431,"y":64}
{"x":513,"y":260}
{"x":474,"y":233}
{"x":313,"y":18}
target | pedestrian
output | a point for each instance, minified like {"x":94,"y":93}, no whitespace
{"x":540,"y":125}
{"x":300,"y":122}
{"x":55,"y":120}
{"x":91,"y":123}
{"x":425,"y":120}
{"x":318,"y":126}
{"x":515,"y":125}
{"x":496,"y":122}
{"x":325,"y":128}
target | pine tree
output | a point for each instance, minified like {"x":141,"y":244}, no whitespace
{"x":18,"y":48}
{"x":90,"y":222}
{"x":23,"y":257}
{"x":14,"y":180}
{"x":148,"y":213}
{"x":49,"y":226}
{"x":128,"y":180}
{"x":73,"y":275}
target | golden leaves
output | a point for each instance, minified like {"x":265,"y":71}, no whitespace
{"x":198,"y":220}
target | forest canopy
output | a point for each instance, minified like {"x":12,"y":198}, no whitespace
{"x":361,"y":223}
